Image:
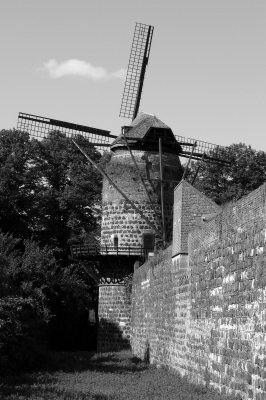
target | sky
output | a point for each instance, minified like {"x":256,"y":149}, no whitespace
{"x":206,"y":77}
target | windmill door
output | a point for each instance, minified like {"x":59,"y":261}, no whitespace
{"x":148,"y":241}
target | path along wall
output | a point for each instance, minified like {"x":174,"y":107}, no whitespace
{"x":209,"y":322}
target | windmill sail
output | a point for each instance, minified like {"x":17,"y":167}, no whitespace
{"x":212,"y":153}
{"x":40,"y":127}
{"x":138,"y":61}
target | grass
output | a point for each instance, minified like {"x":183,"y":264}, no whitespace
{"x":101,"y":376}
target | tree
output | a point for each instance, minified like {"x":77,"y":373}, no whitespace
{"x":31,"y":279}
{"x":23,"y":313}
{"x":17,"y":184}
{"x":49,"y":193}
{"x":224,"y":183}
{"x":67,"y":200}
{"x":47,"y":189}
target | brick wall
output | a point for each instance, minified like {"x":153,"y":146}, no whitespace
{"x":228,"y":303}
{"x":189,"y":206}
{"x":160,"y":313}
{"x":210,"y":322}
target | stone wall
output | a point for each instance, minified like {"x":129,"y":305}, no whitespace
{"x":114,"y":318}
{"x":122,"y":220}
{"x":209,"y":322}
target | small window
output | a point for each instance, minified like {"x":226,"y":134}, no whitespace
{"x":116,"y":241}
{"x":148,"y":240}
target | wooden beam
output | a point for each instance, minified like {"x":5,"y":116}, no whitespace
{"x":191,"y":154}
{"x":162,"y":189}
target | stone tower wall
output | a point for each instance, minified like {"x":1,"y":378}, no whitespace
{"x":118,"y":217}
{"x":114,"y":315}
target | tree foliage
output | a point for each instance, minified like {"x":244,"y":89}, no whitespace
{"x":48,"y":195}
{"x":224,"y":183}
{"x":17,"y":184}
{"x":23,"y":312}
{"x":47,"y":188}
{"x":68,"y":194}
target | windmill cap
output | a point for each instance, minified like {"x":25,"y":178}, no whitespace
{"x":139,"y":128}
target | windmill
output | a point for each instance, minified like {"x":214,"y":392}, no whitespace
{"x":158,"y":138}
{"x":137,"y":197}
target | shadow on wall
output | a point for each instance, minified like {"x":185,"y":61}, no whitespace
{"x":112,"y":337}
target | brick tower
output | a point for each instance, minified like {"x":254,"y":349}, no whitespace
{"x":125,"y":234}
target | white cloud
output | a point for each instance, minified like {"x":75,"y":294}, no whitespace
{"x":79,"y":68}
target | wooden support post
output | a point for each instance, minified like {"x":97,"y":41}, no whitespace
{"x":192,"y":151}
{"x":162,"y":190}
{"x":195,"y":176}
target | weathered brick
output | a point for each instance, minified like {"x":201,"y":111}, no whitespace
{"x":221,"y":337}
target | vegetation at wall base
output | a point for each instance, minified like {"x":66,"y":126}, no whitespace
{"x":102,"y":376}
{"x":30,"y":280}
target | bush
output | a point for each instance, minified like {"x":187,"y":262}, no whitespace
{"x":39,"y":299}
{"x":23,"y":314}
{"x":22,"y":335}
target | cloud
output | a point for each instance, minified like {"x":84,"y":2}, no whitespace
{"x":81,"y":68}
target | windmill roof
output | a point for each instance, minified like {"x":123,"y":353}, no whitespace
{"x":140,"y":126}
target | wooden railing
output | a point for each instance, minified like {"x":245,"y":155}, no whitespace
{"x":87,"y":249}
